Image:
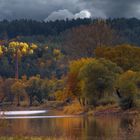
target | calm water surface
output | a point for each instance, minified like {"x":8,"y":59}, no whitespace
{"x":74,"y":128}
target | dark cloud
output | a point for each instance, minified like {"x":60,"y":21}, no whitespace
{"x":123,"y":8}
{"x":59,"y":9}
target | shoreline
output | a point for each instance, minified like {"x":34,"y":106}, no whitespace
{"x":112,"y":110}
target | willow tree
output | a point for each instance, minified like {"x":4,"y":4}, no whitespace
{"x":18,"y":50}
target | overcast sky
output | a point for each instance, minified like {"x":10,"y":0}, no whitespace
{"x":62,"y":9}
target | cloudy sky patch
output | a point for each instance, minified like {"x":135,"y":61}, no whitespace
{"x":62,"y":9}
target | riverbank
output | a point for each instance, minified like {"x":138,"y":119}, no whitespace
{"x":107,"y":110}
{"x":116,"y":111}
{"x":60,"y":108}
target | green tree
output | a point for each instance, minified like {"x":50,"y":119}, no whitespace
{"x":91,"y":78}
{"x":127,"y":89}
{"x":99,"y":78}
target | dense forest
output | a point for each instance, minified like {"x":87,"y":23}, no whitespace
{"x":128,"y":29}
{"x":96,"y":62}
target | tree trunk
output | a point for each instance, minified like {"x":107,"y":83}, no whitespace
{"x":16,"y":65}
{"x":18,"y":100}
{"x":118,"y":93}
{"x":31,"y":100}
{"x":100,"y":94}
{"x":2,"y":99}
{"x":79,"y":99}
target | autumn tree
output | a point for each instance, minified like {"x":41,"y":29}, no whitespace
{"x":74,"y":83}
{"x":90,"y":79}
{"x":18,"y":89}
{"x":2,"y":94}
{"x":34,"y":89}
{"x":82,"y":41}
{"x":19,"y":49}
{"x":57,"y":54}
{"x":9,"y":95}
{"x":125,"y":56}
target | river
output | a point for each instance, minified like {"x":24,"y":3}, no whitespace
{"x":73,"y":127}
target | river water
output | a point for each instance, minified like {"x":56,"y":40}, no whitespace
{"x":72,"y":127}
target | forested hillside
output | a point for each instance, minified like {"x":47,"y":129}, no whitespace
{"x":84,"y":60}
{"x":128,"y":29}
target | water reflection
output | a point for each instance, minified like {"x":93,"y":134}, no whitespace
{"x":128,"y":127}
{"x":81,"y":128}
{"x":15,"y":113}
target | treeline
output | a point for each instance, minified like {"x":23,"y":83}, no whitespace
{"x":28,"y":92}
{"x":127,"y":29}
{"x":23,"y":27}
{"x":111,"y":77}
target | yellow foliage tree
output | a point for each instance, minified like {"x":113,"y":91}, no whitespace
{"x":18,"y":49}
{"x":57,"y":54}
{"x":74,"y":84}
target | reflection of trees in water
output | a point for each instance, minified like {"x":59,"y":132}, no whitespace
{"x":70,"y":127}
{"x":81,"y":128}
{"x":3,"y":124}
{"x":128,"y":126}
{"x":94,"y":129}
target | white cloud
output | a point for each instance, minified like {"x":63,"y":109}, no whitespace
{"x":66,"y":14}
{"x":60,"y":14}
{"x":83,"y":14}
